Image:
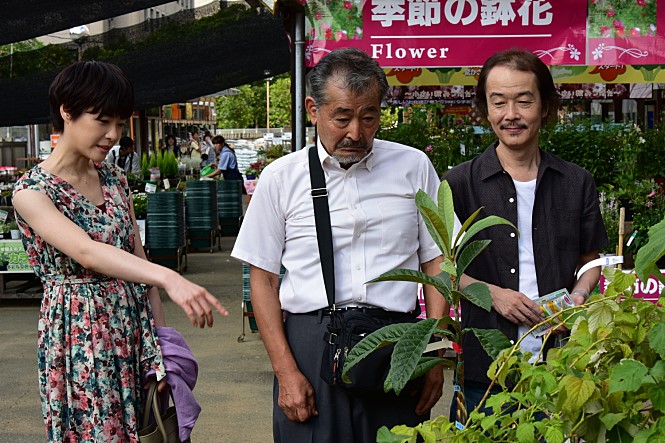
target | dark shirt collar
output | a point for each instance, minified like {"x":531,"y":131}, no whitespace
{"x":490,"y":164}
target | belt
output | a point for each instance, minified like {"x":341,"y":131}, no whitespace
{"x":363,"y":309}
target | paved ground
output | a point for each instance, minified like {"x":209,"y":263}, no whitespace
{"x":235,"y":379}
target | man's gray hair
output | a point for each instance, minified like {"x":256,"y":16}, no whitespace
{"x":356,"y":71}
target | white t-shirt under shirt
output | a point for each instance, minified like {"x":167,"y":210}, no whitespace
{"x":526,"y":193}
{"x":376,"y":227}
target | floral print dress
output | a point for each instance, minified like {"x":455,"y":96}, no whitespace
{"x":96,"y":335}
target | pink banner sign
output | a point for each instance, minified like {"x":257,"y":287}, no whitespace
{"x":447,"y":33}
{"x":649,"y":290}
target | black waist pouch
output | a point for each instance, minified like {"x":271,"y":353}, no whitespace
{"x":346,"y":329}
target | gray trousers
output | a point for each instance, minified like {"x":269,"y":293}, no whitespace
{"x":342,"y":418}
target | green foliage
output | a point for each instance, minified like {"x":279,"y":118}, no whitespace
{"x":607,"y":383}
{"x":247,"y":109}
{"x":168,"y":166}
{"x":407,"y":361}
{"x":145,"y":165}
{"x":140,"y":205}
{"x":154,"y":160}
{"x":447,"y":140}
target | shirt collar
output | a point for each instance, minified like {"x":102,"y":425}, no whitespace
{"x":490,"y":164}
{"x":366,"y":162}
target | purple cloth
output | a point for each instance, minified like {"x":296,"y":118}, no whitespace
{"x":181,"y":372}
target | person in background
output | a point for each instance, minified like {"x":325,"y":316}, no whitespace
{"x":124,"y":155}
{"x":376,"y":228}
{"x":228,"y":162}
{"x":101,"y":308}
{"x":171,"y":145}
{"x":208,"y":156}
{"x":195,"y":146}
{"x":553,"y":203}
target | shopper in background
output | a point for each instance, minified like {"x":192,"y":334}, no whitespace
{"x":208,"y":156}
{"x":195,"y":147}
{"x":228,"y":162}
{"x":124,"y":155}
{"x":171,"y":145}
{"x":97,"y":334}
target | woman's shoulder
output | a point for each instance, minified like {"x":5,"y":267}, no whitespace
{"x":36,"y":178}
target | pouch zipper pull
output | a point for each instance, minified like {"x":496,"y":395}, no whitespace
{"x":335,"y":362}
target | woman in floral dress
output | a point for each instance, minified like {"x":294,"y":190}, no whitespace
{"x":97,"y":327}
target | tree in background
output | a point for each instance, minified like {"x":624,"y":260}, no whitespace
{"x":247,"y":109}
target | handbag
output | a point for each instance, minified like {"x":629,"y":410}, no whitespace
{"x":164,"y":429}
{"x":347,"y":326}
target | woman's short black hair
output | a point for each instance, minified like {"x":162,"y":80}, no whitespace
{"x":219,"y":140}
{"x":90,"y":86}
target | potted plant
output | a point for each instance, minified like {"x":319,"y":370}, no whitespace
{"x":607,"y":383}
{"x":411,"y":339}
{"x":12,"y":226}
{"x":254,"y":170}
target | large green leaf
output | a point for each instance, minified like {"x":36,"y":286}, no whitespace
{"x":434,"y":223}
{"x":376,"y":340}
{"x":425,"y":364}
{"x":478,"y":293}
{"x":484,"y":223}
{"x":656,"y":338}
{"x":629,"y":375}
{"x":651,"y":252}
{"x":446,"y":207}
{"x":525,"y":432}
{"x":469,"y":253}
{"x":578,"y":391}
{"x":408,"y":352}
{"x":492,"y":340}
{"x":441,"y":282}
{"x":601,"y":314}
{"x":465,"y":227}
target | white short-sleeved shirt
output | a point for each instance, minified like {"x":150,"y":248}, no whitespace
{"x":376,"y":227}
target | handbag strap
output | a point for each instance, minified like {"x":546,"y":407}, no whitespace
{"x":322,"y":220}
{"x":152,"y":405}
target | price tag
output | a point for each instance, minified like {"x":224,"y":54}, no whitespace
{"x":3,"y":215}
{"x":150,"y":188}
{"x":167,"y":185}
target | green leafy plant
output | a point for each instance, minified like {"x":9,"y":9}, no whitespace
{"x":446,"y":139}
{"x":607,"y":383}
{"x":145,"y":165}
{"x":169,"y":164}
{"x":411,"y":339}
{"x":12,"y":225}
{"x":140,"y":200}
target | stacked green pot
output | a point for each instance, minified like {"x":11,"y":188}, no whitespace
{"x":202,"y":217}
{"x":229,"y":206}
{"x":165,"y":226}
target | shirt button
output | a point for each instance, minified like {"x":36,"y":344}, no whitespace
{"x":359,"y":298}
{"x":512,"y":235}
{"x":512,"y":271}
{"x":511,"y":200}
{"x":358,"y":268}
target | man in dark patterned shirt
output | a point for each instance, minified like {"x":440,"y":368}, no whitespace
{"x":553,"y":203}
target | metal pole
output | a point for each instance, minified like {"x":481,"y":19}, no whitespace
{"x":299,"y":140}
{"x":268,"y":103}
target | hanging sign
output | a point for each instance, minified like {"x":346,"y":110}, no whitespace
{"x":447,"y":33}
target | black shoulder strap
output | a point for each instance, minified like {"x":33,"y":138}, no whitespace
{"x":322,"y":219}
